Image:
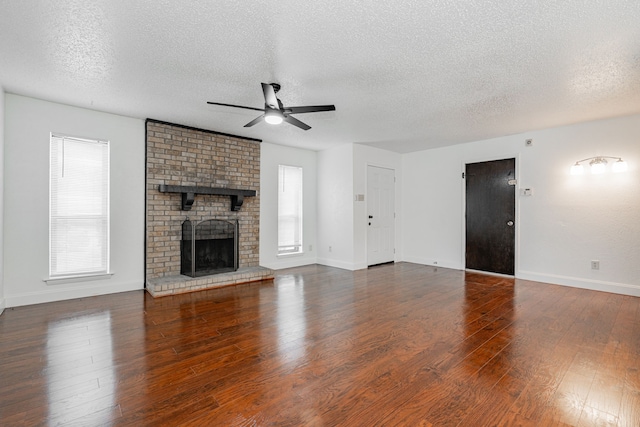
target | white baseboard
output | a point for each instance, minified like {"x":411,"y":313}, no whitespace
{"x":340,"y":264}
{"x":52,"y":294}
{"x":575,"y":282}
{"x":454,"y":265}
{"x":289,"y":263}
{"x":360,"y":265}
{"x":3,"y":305}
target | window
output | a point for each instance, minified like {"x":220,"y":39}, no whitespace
{"x":289,"y":210}
{"x":78,"y":207}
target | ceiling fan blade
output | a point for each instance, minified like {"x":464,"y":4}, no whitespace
{"x":270,"y":96}
{"x":254,"y":121}
{"x":236,"y":106}
{"x":296,"y":122}
{"x":310,"y":109}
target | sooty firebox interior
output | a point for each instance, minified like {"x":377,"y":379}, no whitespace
{"x":209,"y":247}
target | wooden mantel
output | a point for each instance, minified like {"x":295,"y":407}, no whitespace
{"x":189,"y":193}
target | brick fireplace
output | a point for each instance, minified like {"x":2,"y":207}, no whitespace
{"x":199,"y":175}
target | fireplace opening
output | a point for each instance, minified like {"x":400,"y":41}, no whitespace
{"x":209,"y":247}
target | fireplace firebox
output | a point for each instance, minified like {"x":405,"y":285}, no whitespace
{"x":209,"y":247}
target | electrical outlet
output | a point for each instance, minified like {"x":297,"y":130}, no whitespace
{"x":310,"y":248}
{"x":329,"y":248}
{"x":595,"y":264}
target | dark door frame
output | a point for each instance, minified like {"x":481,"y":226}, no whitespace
{"x":516,"y":243}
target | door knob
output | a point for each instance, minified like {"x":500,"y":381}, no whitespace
{"x":510,"y":223}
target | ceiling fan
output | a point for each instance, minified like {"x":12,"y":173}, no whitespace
{"x":275,"y":113}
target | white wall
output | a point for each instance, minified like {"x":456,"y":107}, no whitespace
{"x":26,"y":237}
{"x":342,"y":221}
{"x":569,"y":220}
{"x":432,"y":198}
{"x":271,"y":156}
{"x":336,"y":207}
{"x":363,"y":157}
{"x":2,"y":298}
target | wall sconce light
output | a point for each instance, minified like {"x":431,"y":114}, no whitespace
{"x":598,"y":165}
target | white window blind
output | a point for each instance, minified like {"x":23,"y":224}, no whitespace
{"x":78,"y":207}
{"x":289,"y":210}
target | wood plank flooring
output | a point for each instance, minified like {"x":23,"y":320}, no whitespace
{"x":394,"y":345}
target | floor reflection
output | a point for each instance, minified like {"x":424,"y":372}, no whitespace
{"x":79,"y":351}
{"x":488,"y":316}
{"x":292,"y":322}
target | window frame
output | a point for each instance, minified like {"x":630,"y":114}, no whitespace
{"x":292,"y":249}
{"x":104,"y":180}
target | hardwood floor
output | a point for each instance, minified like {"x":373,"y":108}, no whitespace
{"x":393,"y":345}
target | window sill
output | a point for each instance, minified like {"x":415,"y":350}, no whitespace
{"x":290,"y":255}
{"x":75,"y":279}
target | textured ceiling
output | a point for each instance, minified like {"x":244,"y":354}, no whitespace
{"x":404,"y":75}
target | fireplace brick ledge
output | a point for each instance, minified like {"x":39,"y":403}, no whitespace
{"x":171,"y":285}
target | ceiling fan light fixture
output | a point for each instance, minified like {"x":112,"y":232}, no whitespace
{"x":276,"y":113}
{"x":273,"y":117}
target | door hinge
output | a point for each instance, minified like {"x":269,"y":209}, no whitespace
{"x":462,"y":175}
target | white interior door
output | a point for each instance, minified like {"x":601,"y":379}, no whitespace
{"x":381,"y":215}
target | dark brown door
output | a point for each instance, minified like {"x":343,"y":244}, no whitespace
{"x":490,"y":216}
